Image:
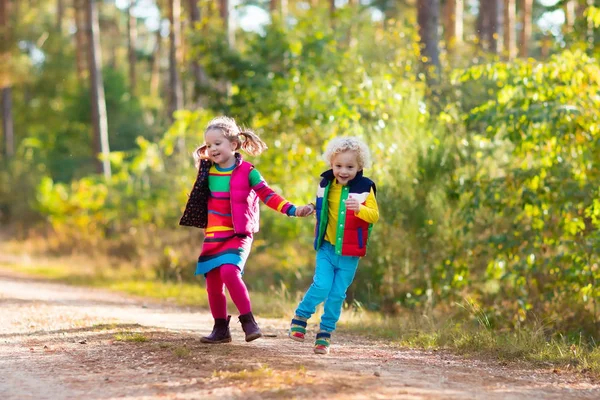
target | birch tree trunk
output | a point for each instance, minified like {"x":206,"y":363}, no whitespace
{"x":97,"y":100}
{"x":509,"y":32}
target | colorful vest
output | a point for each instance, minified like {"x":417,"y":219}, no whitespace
{"x":353,"y":233}
{"x":244,"y":201}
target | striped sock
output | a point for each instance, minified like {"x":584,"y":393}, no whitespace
{"x":298,"y":328}
{"x":322,"y":343}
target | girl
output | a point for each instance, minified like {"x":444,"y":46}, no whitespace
{"x":224,"y":202}
{"x":346,"y":211}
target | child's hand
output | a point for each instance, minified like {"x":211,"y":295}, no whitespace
{"x":305,"y":210}
{"x":352,"y":204}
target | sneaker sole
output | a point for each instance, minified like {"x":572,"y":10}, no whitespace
{"x":297,"y":339}
{"x":317,"y":351}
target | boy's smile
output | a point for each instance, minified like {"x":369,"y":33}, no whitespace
{"x":345,"y":166}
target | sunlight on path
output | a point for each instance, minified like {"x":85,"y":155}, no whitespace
{"x":58,"y":342}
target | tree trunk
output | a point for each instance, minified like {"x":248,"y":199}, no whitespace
{"x":494,"y":33}
{"x":510,"y":42}
{"x":6,"y":91}
{"x":80,"y":38}
{"x":278,"y":8}
{"x":453,"y":23}
{"x":7,"y":122}
{"x":332,"y":13}
{"x":483,"y":21}
{"x":131,"y":41}
{"x":200,"y":78}
{"x":489,"y":24}
{"x":60,"y":13}
{"x":525,"y":37}
{"x":155,"y":78}
{"x":351,"y":41}
{"x":97,"y":100}
{"x":570,"y":6}
{"x":175,"y":87}
{"x":428,"y":17}
{"x":225,"y":12}
{"x":194,"y":11}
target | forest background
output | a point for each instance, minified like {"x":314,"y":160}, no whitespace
{"x":482,"y":116}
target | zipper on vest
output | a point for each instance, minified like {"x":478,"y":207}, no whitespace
{"x":341,"y":221}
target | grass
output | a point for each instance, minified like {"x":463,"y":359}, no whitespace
{"x":529,"y":345}
{"x":265,"y":378}
{"x":268,"y":305}
{"x":181,"y":351}
{"x":130,"y":337}
{"x":469,"y":336}
{"x":260,"y":373}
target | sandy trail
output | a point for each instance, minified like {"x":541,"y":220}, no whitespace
{"x":63,"y":342}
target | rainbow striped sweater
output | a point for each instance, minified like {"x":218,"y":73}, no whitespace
{"x":228,"y":199}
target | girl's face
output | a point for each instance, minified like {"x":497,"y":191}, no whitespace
{"x":220,"y":150}
{"x":345,"y":166}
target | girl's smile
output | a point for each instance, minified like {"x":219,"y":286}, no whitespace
{"x":220,"y":150}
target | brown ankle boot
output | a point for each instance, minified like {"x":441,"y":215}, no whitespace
{"x":220,"y":333}
{"x":250,"y":327}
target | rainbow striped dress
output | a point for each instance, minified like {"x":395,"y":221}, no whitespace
{"x":221,"y":244}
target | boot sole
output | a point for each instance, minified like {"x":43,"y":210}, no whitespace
{"x":253,"y":336}
{"x":228,"y":340}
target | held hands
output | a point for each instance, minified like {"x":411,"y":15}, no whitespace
{"x":352,"y":204}
{"x":305,"y":211}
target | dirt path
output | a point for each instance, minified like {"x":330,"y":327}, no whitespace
{"x":62,"y":342}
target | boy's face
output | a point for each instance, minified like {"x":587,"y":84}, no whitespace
{"x":345,"y":166}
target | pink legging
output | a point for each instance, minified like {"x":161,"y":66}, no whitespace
{"x":226,"y":275}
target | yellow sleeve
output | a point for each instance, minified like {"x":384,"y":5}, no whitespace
{"x":369,"y":212}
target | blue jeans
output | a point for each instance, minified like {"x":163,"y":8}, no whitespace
{"x":333,"y":276}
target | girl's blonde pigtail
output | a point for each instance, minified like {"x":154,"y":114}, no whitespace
{"x":252,"y":144}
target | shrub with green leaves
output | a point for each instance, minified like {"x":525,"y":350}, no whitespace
{"x":531,"y":188}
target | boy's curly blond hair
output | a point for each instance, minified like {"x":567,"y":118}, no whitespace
{"x":349,"y":143}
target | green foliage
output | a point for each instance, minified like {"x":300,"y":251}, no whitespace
{"x":487,"y":190}
{"x":530,"y":189}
